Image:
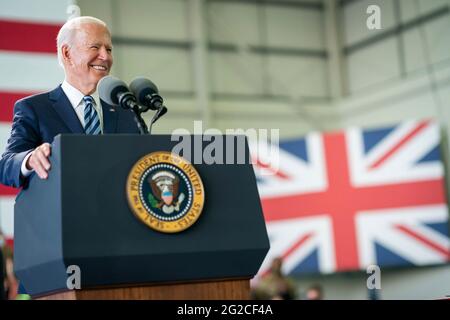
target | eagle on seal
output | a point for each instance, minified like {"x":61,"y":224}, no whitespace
{"x":165,"y":187}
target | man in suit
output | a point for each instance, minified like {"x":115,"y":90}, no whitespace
{"x":85,"y":52}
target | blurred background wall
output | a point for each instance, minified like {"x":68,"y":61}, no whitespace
{"x":296,"y":65}
{"x":231,"y":63}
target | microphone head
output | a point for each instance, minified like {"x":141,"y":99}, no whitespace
{"x":109,"y":88}
{"x":141,"y":87}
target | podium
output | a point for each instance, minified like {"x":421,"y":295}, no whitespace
{"x":80,"y":217}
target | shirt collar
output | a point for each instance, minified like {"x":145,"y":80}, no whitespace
{"x":74,"y":95}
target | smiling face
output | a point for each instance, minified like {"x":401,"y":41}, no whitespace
{"x":89,"y":56}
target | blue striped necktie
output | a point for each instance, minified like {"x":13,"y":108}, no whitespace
{"x":91,"y":119}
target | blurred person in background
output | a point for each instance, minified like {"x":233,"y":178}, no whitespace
{"x":10,"y":282}
{"x":2,"y":269}
{"x":314,"y":292}
{"x":275,"y":285}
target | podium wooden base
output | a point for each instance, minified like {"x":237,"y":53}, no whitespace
{"x":212,"y":290}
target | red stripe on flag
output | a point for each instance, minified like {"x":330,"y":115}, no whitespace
{"x":297,"y":244}
{"x":269,"y":167}
{"x":28,"y":36}
{"x":7,"y":101}
{"x":8,"y":191}
{"x":445,"y":252}
{"x":386,"y":156}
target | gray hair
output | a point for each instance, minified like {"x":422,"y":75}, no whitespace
{"x":66,"y":32}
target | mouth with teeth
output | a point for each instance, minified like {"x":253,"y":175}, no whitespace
{"x":99,"y":68}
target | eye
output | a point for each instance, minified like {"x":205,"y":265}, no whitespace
{"x":94,"y":47}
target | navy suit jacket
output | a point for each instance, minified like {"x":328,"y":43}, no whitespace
{"x":39,"y":118}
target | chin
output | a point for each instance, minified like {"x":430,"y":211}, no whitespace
{"x":98,"y":77}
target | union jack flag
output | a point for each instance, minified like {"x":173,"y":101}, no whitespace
{"x":343,"y":201}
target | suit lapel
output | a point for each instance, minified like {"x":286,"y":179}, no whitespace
{"x":62,"y":106}
{"x":109,"y":118}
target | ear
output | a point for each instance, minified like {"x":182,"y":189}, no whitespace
{"x":65,"y":53}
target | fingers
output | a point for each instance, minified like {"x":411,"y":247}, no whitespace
{"x":39,"y":160}
{"x":35,"y":164}
{"x":46,"y":149}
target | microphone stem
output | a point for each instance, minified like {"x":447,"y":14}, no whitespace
{"x":140,"y":122}
{"x":150,"y":128}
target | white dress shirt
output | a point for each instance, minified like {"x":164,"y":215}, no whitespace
{"x":76,"y":100}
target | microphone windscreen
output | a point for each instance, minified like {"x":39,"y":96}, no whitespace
{"x":109,"y":88}
{"x":141,"y":87}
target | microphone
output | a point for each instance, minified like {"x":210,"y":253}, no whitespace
{"x":115,"y":92}
{"x":146,"y":93}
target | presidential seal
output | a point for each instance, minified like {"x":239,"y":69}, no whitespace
{"x":165,"y":192}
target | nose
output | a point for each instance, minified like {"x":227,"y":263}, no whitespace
{"x":104,"y":54}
